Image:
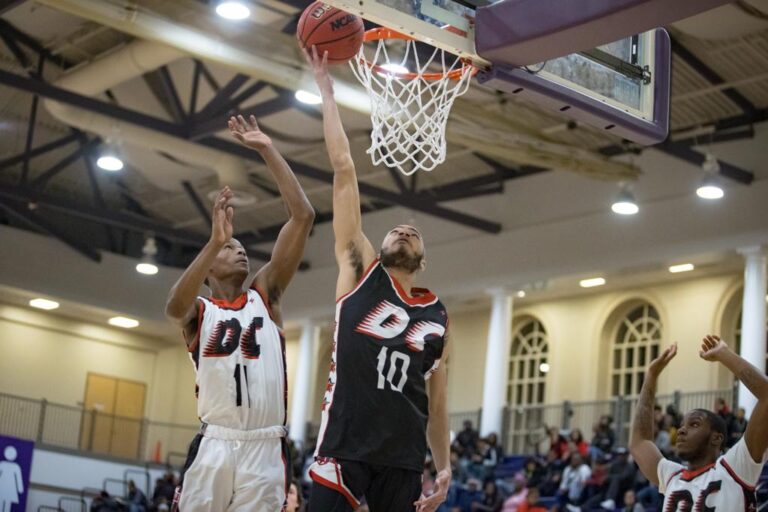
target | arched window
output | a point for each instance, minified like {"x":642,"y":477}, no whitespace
{"x":737,"y":338}
{"x":635,"y":344}
{"x":528,"y":364}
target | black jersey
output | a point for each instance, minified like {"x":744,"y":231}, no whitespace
{"x":386,"y":345}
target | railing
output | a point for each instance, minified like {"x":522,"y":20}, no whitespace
{"x":525,"y":427}
{"x":92,"y":431}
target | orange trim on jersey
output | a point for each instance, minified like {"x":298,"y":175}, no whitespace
{"x":264,"y":299}
{"x":359,"y":281}
{"x":353,"y":502}
{"x":669,"y":480}
{"x":420,"y":296}
{"x":688,"y":475}
{"x":196,"y":340}
{"x":238,"y":303}
{"x":738,"y":480}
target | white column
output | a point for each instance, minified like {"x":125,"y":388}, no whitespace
{"x":753,"y":318}
{"x":497,"y":362}
{"x":310,"y":333}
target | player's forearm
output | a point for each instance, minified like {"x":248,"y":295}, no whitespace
{"x":296,"y":201}
{"x":438,"y":433}
{"x":336,"y":139}
{"x":642,"y":425}
{"x":184,"y":293}
{"x":751,"y":377}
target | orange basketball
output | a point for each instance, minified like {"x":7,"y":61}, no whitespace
{"x":332,"y":30}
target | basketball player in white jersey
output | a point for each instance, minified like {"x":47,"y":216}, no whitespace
{"x":234,"y":337}
{"x":708,"y":481}
{"x":386,"y":393}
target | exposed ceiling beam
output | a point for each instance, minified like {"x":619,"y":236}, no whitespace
{"x":39,"y":183}
{"x":17,"y":52}
{"x":218,"y":123}
{"x":197,"y":202}
{"x":45,"y":148}
{"x":711,"y":76}
{"x":223,"y":96}
{"x":7,"y":5}
{"x":694,"y":157}
{"x":87,"y":103}
{"x":22,"y":213}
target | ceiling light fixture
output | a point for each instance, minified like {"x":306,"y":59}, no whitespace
{"x":683,"y":267}
{"x":124,"y":322}
{"x":592,"y":282}
{"x":544,"y":367}
{"x":308,"y":97}
{"x":233,"y":10}
{"x":147,"y":265}
{"x":109,"y":161}
{"x":710,"y":186}
{"x":44,"y":304}
{"x":625,"y":203}
{"x":521,"y":294}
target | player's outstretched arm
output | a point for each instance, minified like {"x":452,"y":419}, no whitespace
{"x":353,"y":250}
{"x":756,"y":435}
{"x":180,"y":307}
{"x":289,"y":248}
{"x":641,"y":444}
{"x":438,"y":436}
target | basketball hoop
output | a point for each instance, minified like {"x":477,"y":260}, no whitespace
{"x":409,"y":109}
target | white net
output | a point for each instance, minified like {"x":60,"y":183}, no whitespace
{"x":410,"y":107}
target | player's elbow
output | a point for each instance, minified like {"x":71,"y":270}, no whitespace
{"x":174,"y":311}
{"x":305,"y":215}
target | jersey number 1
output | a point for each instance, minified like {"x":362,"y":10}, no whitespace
{"x":393,"y":367}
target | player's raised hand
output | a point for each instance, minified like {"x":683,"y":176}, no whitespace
{"x":712,"y":348}
{"x":431,"y":503}
{"x":657,"y":365}
{"x":221,"y":218}
{"x":248,"y":132}
{"x":319,"y":65}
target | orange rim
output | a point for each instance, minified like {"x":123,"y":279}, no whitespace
{"x":381,"y":33}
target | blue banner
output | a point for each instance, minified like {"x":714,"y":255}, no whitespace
{"x":15,"y":464}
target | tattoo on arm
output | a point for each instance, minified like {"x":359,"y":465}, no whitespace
{"x":643,"y":424}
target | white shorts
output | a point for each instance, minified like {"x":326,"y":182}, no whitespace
{"x":236,"y":470}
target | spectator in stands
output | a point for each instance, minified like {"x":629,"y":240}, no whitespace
{"x":558,"y":443}
{"x":467,"y":496}
{"x":596,"y":484}
{"x":620,"y":478}
{"x":297,"y":460}
{"x":164,"y":489}
{"x":104,"y":503}
{"x":533,"y":472}
{"x":576,"y":443}
{"x":737,"y":427}
{"x":631,"y":504}
{"x":532,"y":502}
{"x":475,"y":466}
{"x":574,"y":479}
{"x":553,"y":470}
{"x":722,"y":410}
{"x":137,"y":502}
{"x":457,"y":468}
{"x":294,"y":498}
{"x":492,"y":499}
{"x":466,"y":440}
{"x":602,"y":442}
{"x":519,"y":495}
{"x":662,"y":438}
{"x":492,"y":456}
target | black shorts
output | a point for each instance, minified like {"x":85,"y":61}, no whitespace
{"x":340,"y":485}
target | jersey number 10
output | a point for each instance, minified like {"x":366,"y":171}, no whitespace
{"x":394,"y":357}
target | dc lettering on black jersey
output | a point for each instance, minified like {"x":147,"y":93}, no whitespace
{"x":386,"y":346}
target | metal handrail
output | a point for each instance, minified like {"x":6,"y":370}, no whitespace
{"x":80,"y":501}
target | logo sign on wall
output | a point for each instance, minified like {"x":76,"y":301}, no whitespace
{"x":15,"y":463}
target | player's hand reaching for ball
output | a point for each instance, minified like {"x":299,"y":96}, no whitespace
{"x":431,"y":503}
{"x":221,"y":219}
{"x":712,"y":348}
{"x":248,"y":132}
{"x":319,"y":65}
{"x":657,"y":365}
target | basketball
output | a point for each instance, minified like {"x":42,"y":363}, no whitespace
{"x":332,"y":30}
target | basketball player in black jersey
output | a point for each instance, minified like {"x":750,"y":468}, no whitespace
{"x":386,"y":392}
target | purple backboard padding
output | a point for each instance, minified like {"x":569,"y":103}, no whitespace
{"x":524,"y":32}
{"x":591,"y":111}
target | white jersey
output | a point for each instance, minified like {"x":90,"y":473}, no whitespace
{"x":239,"y":357}
{"x":728,"y":485}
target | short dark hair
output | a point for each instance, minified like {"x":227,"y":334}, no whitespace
{"x":716,"y":422}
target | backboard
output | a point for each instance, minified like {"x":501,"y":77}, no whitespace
{"x":621,"y":87}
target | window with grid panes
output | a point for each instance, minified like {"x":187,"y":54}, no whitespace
{"x":530,"y":348}
{"x":635,"y":344}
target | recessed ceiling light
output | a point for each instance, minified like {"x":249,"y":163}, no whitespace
{"x":233,"y":10}
{"x":544,"y":367}
{"x":44,"y":304}
{"x":308,"y":97}
{"x":149,"y":269}
{"x":592,"y":282}
{"x":125,"y":323}
{"x":110,"y":162}
{"x":683,"y":267}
